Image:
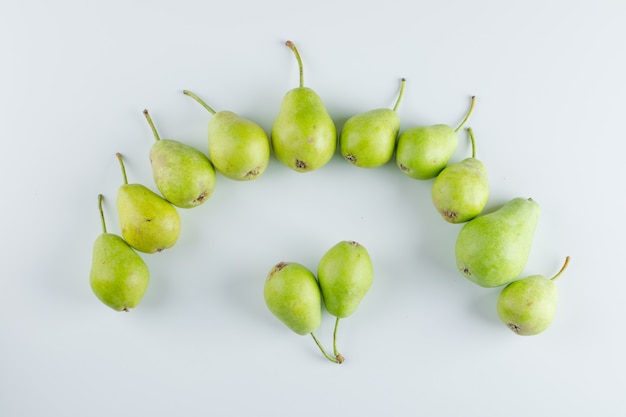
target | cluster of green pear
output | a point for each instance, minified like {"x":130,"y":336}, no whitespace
{"x":491,"y":249}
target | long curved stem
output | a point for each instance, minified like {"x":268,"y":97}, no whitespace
{"x":562,"y":269}
{"x":467,"y":115}
{"x":119,"y":157}
{"x":104,"y":225}
{"x":151,"y":123}
{"x":338,"y":355}
{"x":470,"y":132}
{"x":326,"y":355}
{"x":199,"y":100}
{"x":400,"y":94}
{"x":292,"y":46}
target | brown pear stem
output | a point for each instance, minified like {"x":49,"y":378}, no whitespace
{"x":338,"y":355}
{"x":400,"y":94}
{"x":119,"y":157}
{"x":326,"y":355}
{"x":467,"y":115}
{"x":104,"y":225}
{"x":199,"y":100}
{"x":151,"y":123}
{"x":292,"y":46}
{"x":562,"y":269}
{"x":470,"y":132}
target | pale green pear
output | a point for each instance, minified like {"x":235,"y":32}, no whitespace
{"x":460,"y":192}
{"x":528,"y":305}
{"x":368,"y":139}
{"x":119,"y":277}
{"x":424,"y":151}
{"x":303,"y":136}
{"x":149,"y":223}
{"x":492,"y":249}
{"x":345,"y":274}
{"x":293,"y":295}
{"x":183,"y":174}
{"x":238,"y":147}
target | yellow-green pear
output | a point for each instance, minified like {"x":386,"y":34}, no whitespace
{"x":238,"y":147}
{"x":368,"y":139}
{"x":303,"y":136}
{"x":183,"y":174}
{"x":492,"y":249}
{"x":528,"y":305}
{"x":424,"y":151}
{"x":149,"y":223}
{"x":119,"y":277}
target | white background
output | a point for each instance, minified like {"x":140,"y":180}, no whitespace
{"x":74,"y":79}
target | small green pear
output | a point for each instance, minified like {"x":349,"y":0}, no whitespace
{"x":119,"y":277}
{"x":460,"y":192}
{"x":238,"y":147}
{"x":293,"y":295}
{"x":368,"y":139}
{"x":345,"y":274}
{"x":492,"y":249}
{"x":303,"y":136}
{"x":149,"y":223}
{"x":528,"y":305}
{"x":424,"y":151}
{"x":183,"y":174}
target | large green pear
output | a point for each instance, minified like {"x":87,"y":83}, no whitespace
{"x":238,"y":147}
{"x":119,"y":277}
{"x":149,"y":223}
{"x":368,"y":139}
{"x":528,"y":305}
{"x":293,"y":295}
{"x":183,"y":174}
{"x":424,"y":151}
{"x":492,"y":249}
{"x":460,"y":192}
{"x":345,"y":274}
{"x":303,"y":134}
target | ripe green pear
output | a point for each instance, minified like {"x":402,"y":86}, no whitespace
{"x":424,"y":151}
{"x":183,"y":174}
{"x":492,"y":249}
{"x":293,"y":295}
{"x":345,"y":274}
{"x":119,"y":277}
{"x":149,"y":223}
{"x":303,"y":136}
{"x":460,"y":192}
{"x":368,"y":139}
{"x":527,"y":306}
{"x":238,"y":147}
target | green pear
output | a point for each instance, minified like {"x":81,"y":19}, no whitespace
{"x":527,"y":306}
{"x":119,"y":277}
{"x":183,"y":174}
{"x":238,"y":147}
{"x":345,"y":274}
{"x":303,"y":136}
{"x":368,"y":139}
{"x":293,"y":295}
{"x":149,"y":223}
{"x":460,"y":192}
{"x":492,"y":249}
{"x":424,"y":151}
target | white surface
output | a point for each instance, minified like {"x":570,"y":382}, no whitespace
{"x":75,"y":76}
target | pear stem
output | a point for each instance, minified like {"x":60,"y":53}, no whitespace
{"x":199,"y":100}
{"x":338,"y":355}
{"x":151,"y":123}
{"x":562,"y":269}
{"x":467,"y":115}
{"x":400,"y":94}
{"x":292,"y":46}
{"x":119,"y":157}
{"x":470,"y":132}
{"x":330,"y":358}
{"x":104,"y":225}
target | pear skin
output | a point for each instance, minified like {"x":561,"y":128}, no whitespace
{"x":492,"y":250}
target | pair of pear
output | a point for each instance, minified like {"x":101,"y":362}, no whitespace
{"x":294,"y":295}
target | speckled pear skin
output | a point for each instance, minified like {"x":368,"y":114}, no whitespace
{"x":345,"y":274}
{"x":293,"y":295}
{"x":492,"y":250}
{"x":424,"y":151}
{"x":368,"y":139}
